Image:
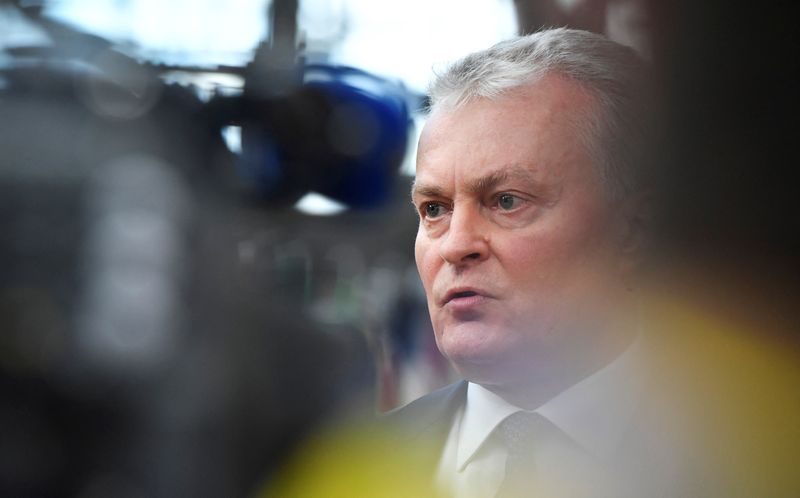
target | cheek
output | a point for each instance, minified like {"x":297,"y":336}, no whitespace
{"x":422,"y":255}
{"x":533,"y":265}
{"x":554,"y":255}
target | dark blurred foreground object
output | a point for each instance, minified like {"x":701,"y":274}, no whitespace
{"x":727,"y":243}
{"x":148,"y":346}
{"x":728,"y":156}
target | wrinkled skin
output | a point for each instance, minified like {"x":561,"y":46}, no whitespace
{"x":513,"y":213}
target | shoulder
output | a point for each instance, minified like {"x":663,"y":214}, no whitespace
{"x":431,"y":414}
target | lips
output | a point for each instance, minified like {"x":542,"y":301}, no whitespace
{"x":462,"y":294}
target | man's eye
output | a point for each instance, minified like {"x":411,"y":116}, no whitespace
{"x":433,"y":210}
{"x":507,"y":202}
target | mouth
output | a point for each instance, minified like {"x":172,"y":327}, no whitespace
{"x":460,"y":295}
{"x":463,"y":294}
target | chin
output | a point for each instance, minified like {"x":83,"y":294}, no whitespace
{"x":477,"y":352}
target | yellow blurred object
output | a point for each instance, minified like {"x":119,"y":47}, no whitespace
{"x":730,"y":389}
{"x":356,"y":461}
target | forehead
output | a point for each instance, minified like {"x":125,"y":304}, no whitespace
{"x":536,"y":128}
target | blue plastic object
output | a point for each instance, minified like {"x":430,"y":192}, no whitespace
{"x":370,"y":122}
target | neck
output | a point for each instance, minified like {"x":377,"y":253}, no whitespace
{"x":532,"y":385}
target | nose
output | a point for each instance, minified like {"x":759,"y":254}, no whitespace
{"x":467,"y":239}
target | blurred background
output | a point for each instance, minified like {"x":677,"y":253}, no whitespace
{"x":206,"y":242}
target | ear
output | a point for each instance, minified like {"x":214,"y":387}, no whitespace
{"x":636,"y":220}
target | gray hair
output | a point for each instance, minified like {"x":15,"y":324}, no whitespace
{"x":614,"y":74}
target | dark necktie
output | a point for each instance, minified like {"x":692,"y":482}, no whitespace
{"x":520,"y":433}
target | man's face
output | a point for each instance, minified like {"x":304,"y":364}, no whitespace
{"x":516,"y":245}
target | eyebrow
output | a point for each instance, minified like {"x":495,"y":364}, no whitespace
{"x":483,"y":184}
{"x":491,"y":181}
{"x":425,"y":190}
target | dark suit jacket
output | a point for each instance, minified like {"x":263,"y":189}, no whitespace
{"x":426,"y":422}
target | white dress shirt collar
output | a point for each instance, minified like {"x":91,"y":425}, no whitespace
{"x":483,"y":412}
{"x":594,"y":412}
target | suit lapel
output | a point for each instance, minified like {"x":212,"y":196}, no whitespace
{"x":429,"y":418}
